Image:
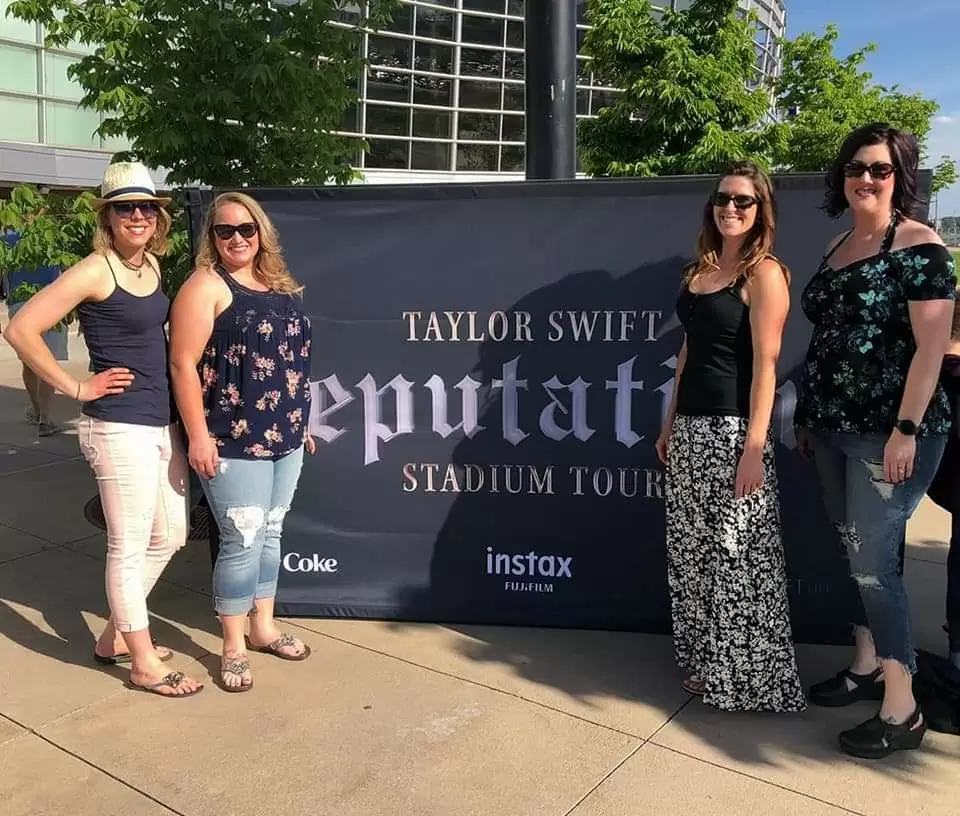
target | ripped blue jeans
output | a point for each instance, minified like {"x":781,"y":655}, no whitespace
{"x":871,"y":516}
{"x":249,"y":499}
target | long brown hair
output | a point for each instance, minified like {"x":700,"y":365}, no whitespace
{"x":758,"y":245}
{"x":269,"y":267}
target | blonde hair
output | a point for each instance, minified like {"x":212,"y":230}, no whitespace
{"x":269,"y":267}
{"x":157,"y":245}
{"x":758,"y":246}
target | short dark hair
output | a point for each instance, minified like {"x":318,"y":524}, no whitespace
{"x":905,"y":154}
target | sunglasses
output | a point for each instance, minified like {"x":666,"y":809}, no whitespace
{"x":877,"y":170}
{"x":126,"y":209}
{"x":741,"y":202}
{"x":226,"y":231}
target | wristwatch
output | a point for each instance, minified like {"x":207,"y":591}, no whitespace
{"x":907,"y":427}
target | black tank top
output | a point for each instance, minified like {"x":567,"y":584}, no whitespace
{"x":127,"y":331}
{"x":718,"y":371}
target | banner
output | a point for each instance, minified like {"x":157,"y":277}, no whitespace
{"x":491,"y":367}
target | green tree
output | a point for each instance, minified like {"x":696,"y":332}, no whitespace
{"x":53,"y":230}
{"x":690,"y":101}
{"x":825,"y":97}
{"x":944,"y":174}
{"x":226,"y":94}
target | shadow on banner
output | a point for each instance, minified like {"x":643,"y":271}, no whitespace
{"x":491,"y":367}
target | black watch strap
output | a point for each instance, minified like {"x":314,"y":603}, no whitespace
{"x":907,"y":427}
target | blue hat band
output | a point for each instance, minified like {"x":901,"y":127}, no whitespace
{"x":127,"y":190}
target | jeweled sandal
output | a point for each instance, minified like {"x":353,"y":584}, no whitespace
{"x":238,"y":667}
{"x":172,"y":680}
{"x":284,"y":641}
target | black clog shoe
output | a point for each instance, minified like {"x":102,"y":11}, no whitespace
{"x":835,"y":692}
{"x":876,"y":739}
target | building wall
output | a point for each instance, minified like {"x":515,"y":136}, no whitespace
{"x":443,"y":98}
{"x":444,"y":90}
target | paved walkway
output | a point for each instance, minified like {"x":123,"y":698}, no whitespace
{"x":390,"y":719}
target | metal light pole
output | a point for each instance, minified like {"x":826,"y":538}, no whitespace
{"x":551,"y":88}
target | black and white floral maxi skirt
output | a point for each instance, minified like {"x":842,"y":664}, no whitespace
{"x":726,"y":571}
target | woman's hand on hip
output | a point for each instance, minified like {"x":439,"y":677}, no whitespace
{"x":310,"y":444}
{"x":898,"y":457}
{"x":204,"y":457}
{"x":106,"y":383}
{"x":749,"y":472}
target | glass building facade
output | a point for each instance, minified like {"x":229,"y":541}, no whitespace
{"x":444,"y":89}
{"x":38,"y":102}
{"x":443,"y":95}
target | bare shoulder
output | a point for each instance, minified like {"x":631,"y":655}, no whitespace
{"x":913,"y":233}
{"x":835,"y":242}
{"x":767,"y":286}
{"x":770,"y":272}
{"x":203,"y":293}
{"x":203,"y":282}
{"x":89,"y":277}
{"x":92,"y":266}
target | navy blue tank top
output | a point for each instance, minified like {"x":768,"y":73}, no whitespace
{"x":128,"y":331}
{"x":718,"y":372}
{"x":255,"y":374}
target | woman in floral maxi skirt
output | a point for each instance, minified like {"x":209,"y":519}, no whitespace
{"x":731,"y":617}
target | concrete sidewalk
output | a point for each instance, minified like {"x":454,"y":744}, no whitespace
{"x":386,"y":718}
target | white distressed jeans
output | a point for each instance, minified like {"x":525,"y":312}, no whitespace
{"x":141,"y":474}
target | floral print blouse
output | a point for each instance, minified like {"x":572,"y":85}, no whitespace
{"x":255,"y":375}
{"x":862,"y":346}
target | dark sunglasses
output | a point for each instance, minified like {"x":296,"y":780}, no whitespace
{"x":225,"y":231}
{"x":877,"y":170}
{"x":741,"y":202}
{"x":126,"y":209}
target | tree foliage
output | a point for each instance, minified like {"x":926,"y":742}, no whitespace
{"x":53,"y":230}
{"x":686,"y":105}
{"x":826,"y":97}
{"x":228,"y":94}
{"x":944,"y":174}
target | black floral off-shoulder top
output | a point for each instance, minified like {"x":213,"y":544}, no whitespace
{"x":862,"y":345}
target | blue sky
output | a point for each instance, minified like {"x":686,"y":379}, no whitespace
{"x":917,"y":48}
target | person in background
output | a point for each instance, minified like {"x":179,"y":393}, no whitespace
{"x":871,"y":414}
{"x":39,"y":393}
{"x":240,"y":362}
{"x":945,"y":488}
{"x":126,"y":432}
{"x":726,"y":566}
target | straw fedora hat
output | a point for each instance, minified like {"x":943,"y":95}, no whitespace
{"x":127,"y":181}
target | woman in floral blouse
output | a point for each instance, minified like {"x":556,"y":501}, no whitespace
{"x":872,"y":414}
{"x":240,"y":362}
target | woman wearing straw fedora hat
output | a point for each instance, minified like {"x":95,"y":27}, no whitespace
{"x":126,"y":430}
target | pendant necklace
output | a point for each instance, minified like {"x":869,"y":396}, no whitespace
{"x":133,"y":267}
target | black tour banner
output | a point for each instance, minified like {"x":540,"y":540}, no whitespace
{"x":491,"y":367}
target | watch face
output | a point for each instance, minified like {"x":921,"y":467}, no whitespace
{"x":906,"y":426}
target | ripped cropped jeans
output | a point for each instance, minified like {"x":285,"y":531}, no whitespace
{"x":871,"y":516}
{"x":249,"y":499}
